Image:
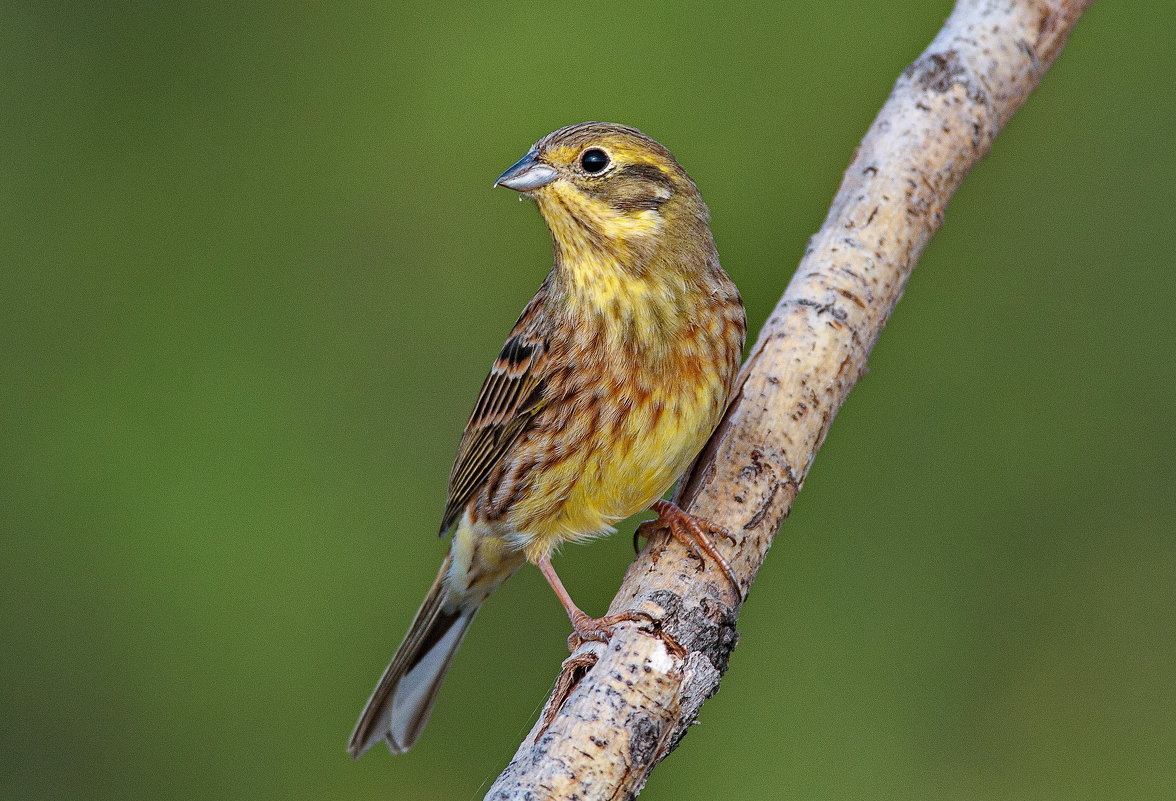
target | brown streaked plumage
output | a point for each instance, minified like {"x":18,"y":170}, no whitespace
{"x":612,"y":379}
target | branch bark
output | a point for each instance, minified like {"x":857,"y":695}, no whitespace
{"x":619,"y":708}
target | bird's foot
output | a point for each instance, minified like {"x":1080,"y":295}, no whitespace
{"x":693,"y":532}
{"x":600,"y":629}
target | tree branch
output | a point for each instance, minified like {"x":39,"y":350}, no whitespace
{"x":618,"y":709}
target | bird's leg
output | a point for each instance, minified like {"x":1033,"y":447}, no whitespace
{"x":585,"y":627}
{"x":694,"y":532}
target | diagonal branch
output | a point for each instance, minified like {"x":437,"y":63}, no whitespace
{"x":618,"y":709}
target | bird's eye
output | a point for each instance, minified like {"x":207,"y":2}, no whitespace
{"x":594,"y":160}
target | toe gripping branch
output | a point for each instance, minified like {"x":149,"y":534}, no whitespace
{"x":693,"y":532}
{"x":576,"y":666}
{"x":696,"y":534}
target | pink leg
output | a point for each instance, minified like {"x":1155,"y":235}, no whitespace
{"x":583,"y":626}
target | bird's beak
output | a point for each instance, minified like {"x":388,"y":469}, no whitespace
{"x":526,"y":174}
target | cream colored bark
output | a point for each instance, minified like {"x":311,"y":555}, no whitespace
{"x":620,"y":708}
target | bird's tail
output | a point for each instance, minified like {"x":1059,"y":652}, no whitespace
{"x":401,"y":703}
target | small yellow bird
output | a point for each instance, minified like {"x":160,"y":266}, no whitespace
{"x":611,"y":381}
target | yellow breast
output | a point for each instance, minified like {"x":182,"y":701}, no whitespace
{"x":659,"y":390}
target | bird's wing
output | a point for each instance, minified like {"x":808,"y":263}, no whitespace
{"x":511,"y":396}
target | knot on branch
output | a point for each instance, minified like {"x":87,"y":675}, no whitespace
{"x":937,"y":72}
{"x":706,"y":628}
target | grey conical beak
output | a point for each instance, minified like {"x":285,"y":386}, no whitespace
{"x":526,"y":174}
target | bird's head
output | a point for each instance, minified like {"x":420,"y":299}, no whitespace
{"x":602,"y":186}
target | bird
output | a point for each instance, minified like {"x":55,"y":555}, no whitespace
{"x":613,"y":378}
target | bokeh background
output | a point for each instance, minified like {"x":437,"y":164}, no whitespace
{"x":252,"y":274}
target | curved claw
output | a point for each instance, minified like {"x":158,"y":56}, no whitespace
{"x":693,"y":532}
{"x":600,"y":629}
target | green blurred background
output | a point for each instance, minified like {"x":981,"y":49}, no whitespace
{"x":252,"y":273}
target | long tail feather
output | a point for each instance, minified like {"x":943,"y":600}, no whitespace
{"x":403,"y":698}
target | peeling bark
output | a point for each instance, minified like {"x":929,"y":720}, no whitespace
{"x":621,"y":707}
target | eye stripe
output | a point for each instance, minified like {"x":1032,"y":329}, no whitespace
{"x":647,"y":172}
{"x":639,"y":203}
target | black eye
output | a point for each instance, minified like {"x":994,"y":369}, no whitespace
{"x":594,"y":160}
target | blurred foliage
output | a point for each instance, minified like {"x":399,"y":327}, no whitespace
{"x":252,"y":274}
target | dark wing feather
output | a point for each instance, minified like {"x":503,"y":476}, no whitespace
{"x":511,"y":396}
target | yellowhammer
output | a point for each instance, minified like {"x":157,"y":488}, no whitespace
{"x":611,"y":381}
